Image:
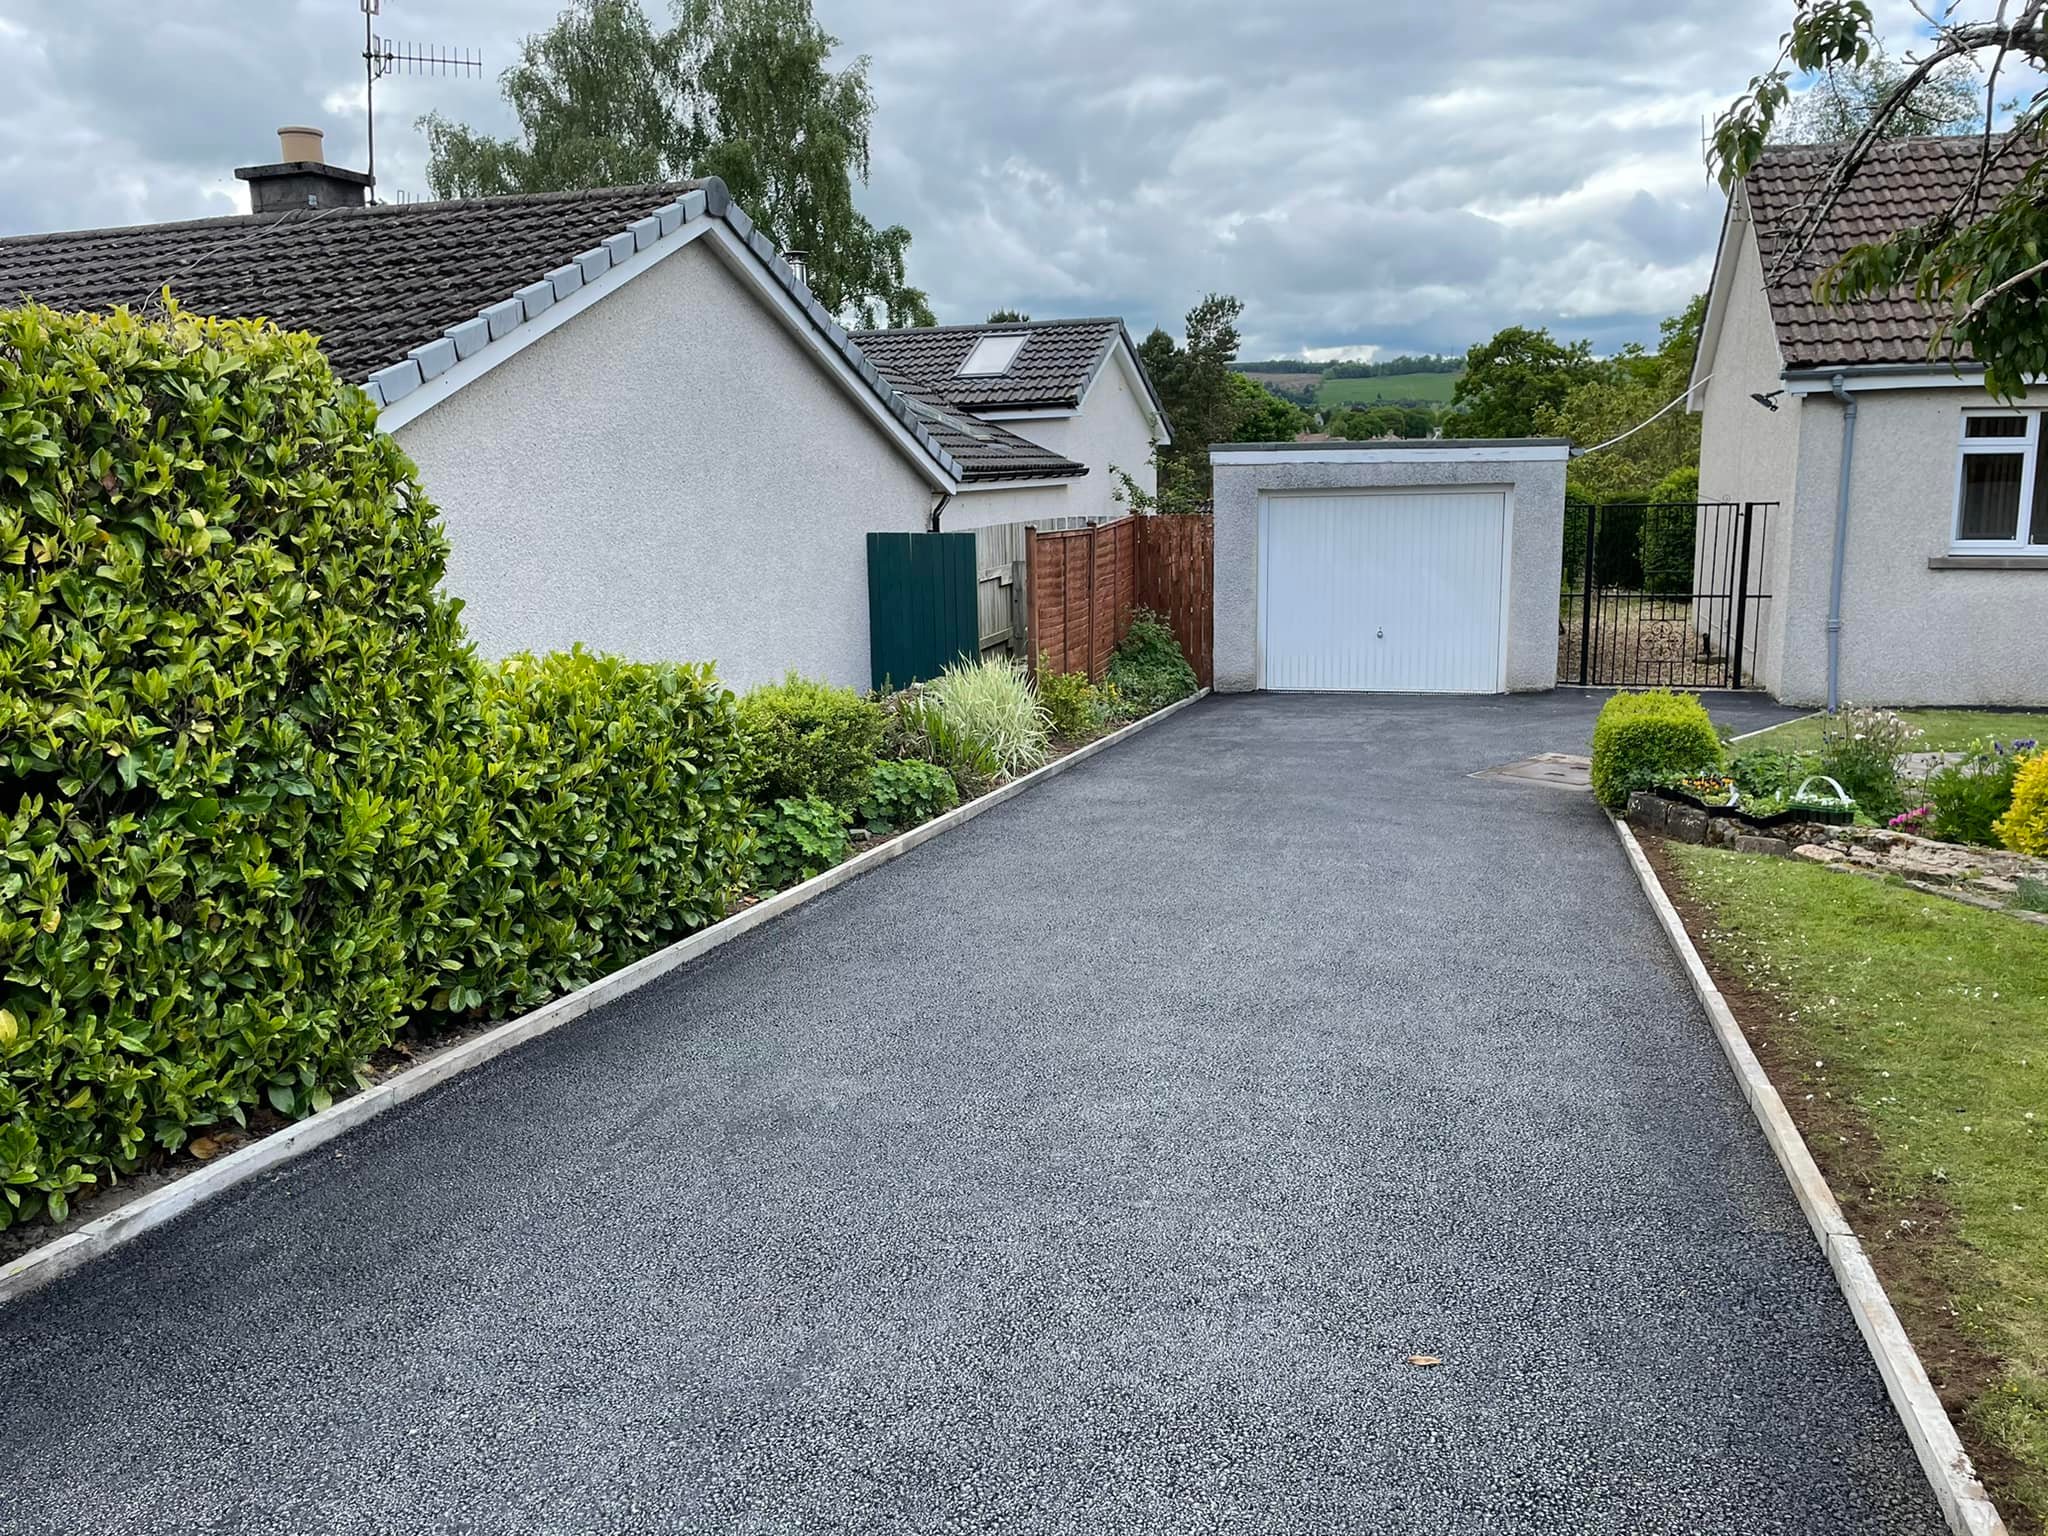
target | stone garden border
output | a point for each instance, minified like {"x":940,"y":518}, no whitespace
{"x":1965,"y":1504}
{"x":58,"y":1257}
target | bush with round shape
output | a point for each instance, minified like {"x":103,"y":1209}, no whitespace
{"x":1864,"y":751}
{"x":1969,"y":797}
{"x":1073,"y":705}
{"x":1147,"y":669}
{"x":1642,"y":737}
{"x":2024,"y":827}
{"x":985,"y":710}
{"x":794,"y":839}
{"x":904,"y":792}
{"x":223,"y":654}
{"x":809,"y":738}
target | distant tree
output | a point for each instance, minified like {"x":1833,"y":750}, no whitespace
{"x":1623,"y":392}
{"x":1417,"y":421}
{"x":1359,"y":425}
{"x":1844,"y":98}
{"x":1009,"y":317}
{"x":739,"y":89}
{"x":1510,"y":379}
{"x":1199,"y":389}
{"x":1264,"y":415}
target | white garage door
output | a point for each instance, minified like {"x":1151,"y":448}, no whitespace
{"x":1387,"y":591}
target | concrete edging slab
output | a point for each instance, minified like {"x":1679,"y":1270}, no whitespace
{"x":1965,"y":1504}
{"x":61,"y":1255}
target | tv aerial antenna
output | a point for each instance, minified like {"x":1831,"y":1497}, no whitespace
{"x":383,"y":56}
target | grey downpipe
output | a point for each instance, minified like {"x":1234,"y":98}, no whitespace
{"x":1840,"y":391}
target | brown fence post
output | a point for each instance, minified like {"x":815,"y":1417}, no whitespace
{"x":1031,"y":598}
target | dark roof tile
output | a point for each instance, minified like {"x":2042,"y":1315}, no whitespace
{"x":1904,"y":183}
{"x":1051,"y":370}
{"x":372,"y":283}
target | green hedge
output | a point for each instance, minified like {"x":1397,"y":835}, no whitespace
{"x":261,"y":805}
{"x":808,"y":738}
{"x":1641,"y":736}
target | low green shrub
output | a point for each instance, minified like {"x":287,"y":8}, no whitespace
{"x":1074,"y":706}
{"x":2031,"y":895}
{"x":984,"y":711}
{"x":795,"y":839}
{"x":608,"y":821}
{"x":2024,"y":828}
{"x":906,"y":792}
{"x":1969,"y":797}
{"x":1763,"y":772}
{"x":809,"y":738}
{"x":1642,"y":736}
{"x":1863,"y":750}
{"x":1147,"y":668}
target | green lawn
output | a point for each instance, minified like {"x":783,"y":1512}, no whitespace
{"x":1925,"y":1023}
{"x":1431,"y":388}
{"x":1941,"y":730}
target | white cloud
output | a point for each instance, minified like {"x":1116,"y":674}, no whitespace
{"x":1367,"y":179}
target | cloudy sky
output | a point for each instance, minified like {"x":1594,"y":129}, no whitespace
{"x":1395,"y":175}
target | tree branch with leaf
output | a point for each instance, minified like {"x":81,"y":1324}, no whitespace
{"x":1978,"y":263}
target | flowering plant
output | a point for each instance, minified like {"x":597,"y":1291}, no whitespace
{"x":1914,"y":820}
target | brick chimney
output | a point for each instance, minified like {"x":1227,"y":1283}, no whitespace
{"x":301,"y":178}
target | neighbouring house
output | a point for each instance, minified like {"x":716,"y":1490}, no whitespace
{"x":1074,"y":386}
{"x":643,"y":432}
{"x":1888,"y":465}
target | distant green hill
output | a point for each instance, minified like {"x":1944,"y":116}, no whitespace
{"x":1430,"y":388}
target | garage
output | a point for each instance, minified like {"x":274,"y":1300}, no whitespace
{"x":1388,"y":567}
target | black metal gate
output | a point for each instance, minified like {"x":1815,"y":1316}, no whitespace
{"x":1663,"y":594}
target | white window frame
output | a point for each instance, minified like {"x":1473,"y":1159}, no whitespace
{"x":2028,"y":447}
{"x":983,"y":347}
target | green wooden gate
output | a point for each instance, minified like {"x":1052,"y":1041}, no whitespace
{"x":921,"y":605}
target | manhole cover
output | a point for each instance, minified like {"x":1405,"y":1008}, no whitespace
{"x":1556,"y":768}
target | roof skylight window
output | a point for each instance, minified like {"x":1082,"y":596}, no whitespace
{"x":992,"y":354}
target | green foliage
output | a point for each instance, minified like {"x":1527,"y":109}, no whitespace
{"x":262,"y":805}
{"x":1623,"y":394}
{"x":794,"y":839}
{"x":808,"y":738}
{"x":1509,"y":380}
{"x":1969,"y":797}
{"x":1843,"y":101}
{"x":1641,"y":737}
{"x":739,"y":89}
{"x":607,"y":821}
{"x":1763,"y":772}
{"x":1262,"y":416}
{"x":984,"y":712}
{"x":1074,"y":707}
{"x":906,"y":791}
{"x":2024,"y":828}
{"x":1147,"y":669}
{"x":1199,"y":391}
{"x":1864,"y":750}
{"x":222,"y":647}
{"x":1975,"y":262}
{"x":1009,"y":317}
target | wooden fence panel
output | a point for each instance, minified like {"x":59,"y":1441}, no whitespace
{"x":1176,"y":572}
{"x":1082,"y":585}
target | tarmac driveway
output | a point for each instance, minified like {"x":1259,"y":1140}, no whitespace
{"x":1096,"y":1167}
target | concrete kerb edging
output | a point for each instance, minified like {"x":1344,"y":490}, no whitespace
{"x":1963,"y":1501}
{"x":64,"y":1254}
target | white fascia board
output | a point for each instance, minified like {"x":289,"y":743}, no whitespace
{"x":525,"y":334}
{"x":745,"y":264}
{"x":1735,"y":228}
{"x":1819,"y":381}
{"x":1134,"y":376}
{"x":1042,"y":413}
{"x":1365,"y":454}
{"x":970,"y":487}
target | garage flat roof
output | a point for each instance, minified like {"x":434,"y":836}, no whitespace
{"x":1483,"y":449}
